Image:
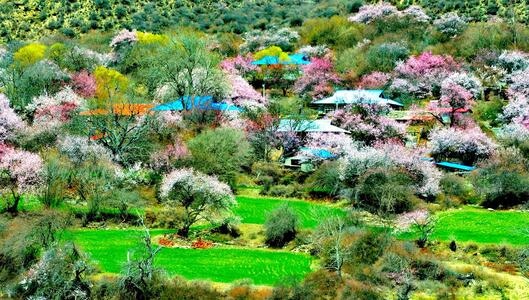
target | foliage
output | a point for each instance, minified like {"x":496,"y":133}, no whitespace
{"x":384,"y":192}
{"x":79,"y":150}
{"x":358,"y":161}
{"x":331,"y":241}
{"x":221,"y":152}
{"x":374,"y":80}
{"x":243,"y":94}
{"x":274,"y":51}
{"x":141,"y":276}
{"x":125,"y":136}
{"x":384,"y":57}
{"x":202,"y":197}
{"x":370,"y":13}
{"x":239,"y":65}
{"x":84,"y":84}
{"x":503,"y":180}
{"x":281,"y":226}
{"x":336,"y":32}
{"x":187,"y":67}
{"x":422,"y":75}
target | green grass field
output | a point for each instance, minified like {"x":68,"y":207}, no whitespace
{"x":253,"y":210}
{"x":481,"y":226}
{"x":108,"y":248}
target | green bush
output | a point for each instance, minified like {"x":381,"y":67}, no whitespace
{"x":280,"y":226}
{"x":220,"y":152}
{"x":383,"y":192}
{"x":384,"y":57}
{"x":458,"y":188}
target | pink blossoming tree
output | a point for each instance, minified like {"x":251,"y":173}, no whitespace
{"x":318,"y":78}
{"x":367,"y":124}
{"x":84,"y":84}
{"x":243,"y":94}
{"x":375,"y":80}
{"x":422,"y":75}
{"x":239,"y":65}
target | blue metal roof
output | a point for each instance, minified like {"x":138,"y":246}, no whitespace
{"x":321,"y":153}
{"x":199,"y":102}
{"x":293,"y":59}
{"x":456,"y":166}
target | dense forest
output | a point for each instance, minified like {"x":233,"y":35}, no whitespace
{"x":264,"y":149}
{"x":24,"y":19}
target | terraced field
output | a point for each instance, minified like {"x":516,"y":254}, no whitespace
{"x":108,"y":249}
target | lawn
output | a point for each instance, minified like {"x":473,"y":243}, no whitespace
{"x":482,"y":226}
{"x":253,"y":210}
{"x":109,"y":249}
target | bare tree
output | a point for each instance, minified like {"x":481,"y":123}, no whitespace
{"x":330,"y":240}
{"x":141,"y":272}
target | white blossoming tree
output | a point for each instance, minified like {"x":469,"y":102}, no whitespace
{"x":201,"y":197}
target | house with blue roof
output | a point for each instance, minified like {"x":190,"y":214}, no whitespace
{"x":348,"y":97}
{"x":196,"y":102}
{"x":305,"y":160}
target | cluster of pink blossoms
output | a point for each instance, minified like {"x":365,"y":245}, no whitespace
{"x":318,"y":78}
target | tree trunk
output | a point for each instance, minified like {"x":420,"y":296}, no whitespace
{"x":13,"y":208}
{"x":184,"y":231}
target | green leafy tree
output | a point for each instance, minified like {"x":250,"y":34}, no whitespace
{"x":221,"y":152}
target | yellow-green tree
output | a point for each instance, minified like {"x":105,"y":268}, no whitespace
{"x":110,"y":84}
{"x":29,"y":54}
{"x":272,"y":51}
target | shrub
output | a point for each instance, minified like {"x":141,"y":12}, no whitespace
{"x":504,"y":180}
{"x":325,"y":181}
{"x":450,"y":24}
{"x":280,"y":226}
{"x":456,"y":186}
{"x":109,"y":83}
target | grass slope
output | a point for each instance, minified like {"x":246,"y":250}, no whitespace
{"x":253,"y":210}
{"x":109,"y":249}
{"x":482,"y":226}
